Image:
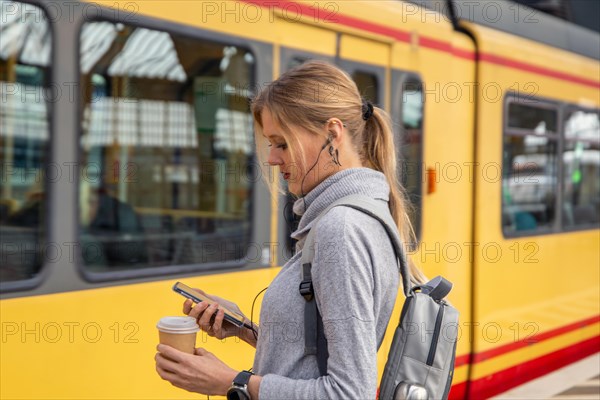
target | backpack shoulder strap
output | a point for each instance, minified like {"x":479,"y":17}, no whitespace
{"x":314,"y":339}
{"x":437,"y":288}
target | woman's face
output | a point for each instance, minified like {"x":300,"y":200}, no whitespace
{"x":294,"y":172}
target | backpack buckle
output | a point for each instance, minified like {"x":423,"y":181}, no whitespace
{"x":306,"y":290}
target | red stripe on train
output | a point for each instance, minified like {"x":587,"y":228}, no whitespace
{"x":495,"y":352}
{"x":326,"y":16}
{"x":498,"y":351}
{"x":459,"y":390}
{"x":507,"y":62}
{"x":462,"y":360}
{"x":425,"y":41}
{"x":514,"y":376}
{"x":511,"y":377}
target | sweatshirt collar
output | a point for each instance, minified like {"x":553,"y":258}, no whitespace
{"x":349,"y":181}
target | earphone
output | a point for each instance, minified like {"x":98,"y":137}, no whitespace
{"x":335,"y":156}
{"x":329,"y":139}
{"x":335,"y":160}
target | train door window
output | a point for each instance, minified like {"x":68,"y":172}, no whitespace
{"x":411,"y":148}
{"x":291,"y":220}
{"x":529,"y":170}
{"x":167,"y":141}
{"x":581,"y":169}
{"x":367,"y":86}
{"x":296,"y":61}
{"x":291,"y":58}
{"x":25,"y":51}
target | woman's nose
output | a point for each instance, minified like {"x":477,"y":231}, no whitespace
{"x":273,"y":158}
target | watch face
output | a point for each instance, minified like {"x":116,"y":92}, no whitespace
{"x":237,"y":393}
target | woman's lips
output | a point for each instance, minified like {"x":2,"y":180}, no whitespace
{"x":286,"y":176}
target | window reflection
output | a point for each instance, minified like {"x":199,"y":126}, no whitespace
{"x":581,"y":161}
{"x":367,"y":86}
{"x":530,"y":170}
{"x":532,"y":118}
{"x":167,"y":140}
{"x":411,"y":148}
{"x":25,"y":50}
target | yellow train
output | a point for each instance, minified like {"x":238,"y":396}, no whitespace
{"x":128,"y":164}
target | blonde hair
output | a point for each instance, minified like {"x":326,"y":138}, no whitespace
{"x":314,"y":92}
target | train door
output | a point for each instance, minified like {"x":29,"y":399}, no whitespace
{"x":365,"y":60}
{"x":433,"y":109}
{"x":298,"y":43}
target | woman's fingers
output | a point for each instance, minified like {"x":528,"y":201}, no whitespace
{"x":169,"y":356}
{"x":201,"y":351}
{"x":198,"y":309}
{"x":187,"y":306}
{"x":217,"y":326}
{"x":205,"y":321}
{"x":210,"y":318}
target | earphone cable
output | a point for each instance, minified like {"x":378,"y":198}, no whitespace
{"x":252,"y":314}
{"x":305,"y":175}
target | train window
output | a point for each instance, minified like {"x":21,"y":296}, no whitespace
{"x":168,"y":146}
{"x":581,"y":169}
{"x":24,"y":137}
{"x":296,"y":62}
{"x":367,"y":86}
{"x":531,"y":118}
{"x":411,"y":148}
{"x":530,"y":169}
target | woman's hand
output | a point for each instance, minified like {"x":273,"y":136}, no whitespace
{"x":211,"y":319}
{"x":201,"y":373}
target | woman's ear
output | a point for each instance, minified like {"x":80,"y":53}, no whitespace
{"x":335,"y":130}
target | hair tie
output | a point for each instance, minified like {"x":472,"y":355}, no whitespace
{"x":367,"y":109}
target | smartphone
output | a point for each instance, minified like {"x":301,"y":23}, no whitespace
{"x":197,"y":297}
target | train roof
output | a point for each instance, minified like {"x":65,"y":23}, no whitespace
{"x":523,"y":21}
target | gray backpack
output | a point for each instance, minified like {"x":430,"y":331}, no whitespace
{"x":420,"y":362}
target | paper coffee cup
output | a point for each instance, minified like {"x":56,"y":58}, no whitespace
{"x":178,"y":332}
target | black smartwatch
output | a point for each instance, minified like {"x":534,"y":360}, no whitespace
{"x":239,"y":387}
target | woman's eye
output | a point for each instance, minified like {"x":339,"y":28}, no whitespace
{"x":279,"y":146}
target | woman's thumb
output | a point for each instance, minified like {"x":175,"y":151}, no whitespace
{"x":201,"y":351}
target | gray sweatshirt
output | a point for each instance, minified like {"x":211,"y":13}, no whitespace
{"x":355,"y":277}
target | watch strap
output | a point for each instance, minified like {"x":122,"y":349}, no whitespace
{"x":242,"y":378}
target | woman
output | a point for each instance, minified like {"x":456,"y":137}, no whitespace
{"x":327,"y":143}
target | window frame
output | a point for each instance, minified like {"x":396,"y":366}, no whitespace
{"x":49,"y":81}
{"x":567,"y":109}
{"x":378,"y":72}
{"x":193,"y":33}
{"x":397,"y":104}
{"x":289,"y":221}
{"x":287,"y":54}
{"x":545,"y":103}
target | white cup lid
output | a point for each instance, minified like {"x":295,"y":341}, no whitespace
{"x":178,"y":325}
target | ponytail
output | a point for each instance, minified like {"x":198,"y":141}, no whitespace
{"x":380,"y":155}
{"x":315,"y":91}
